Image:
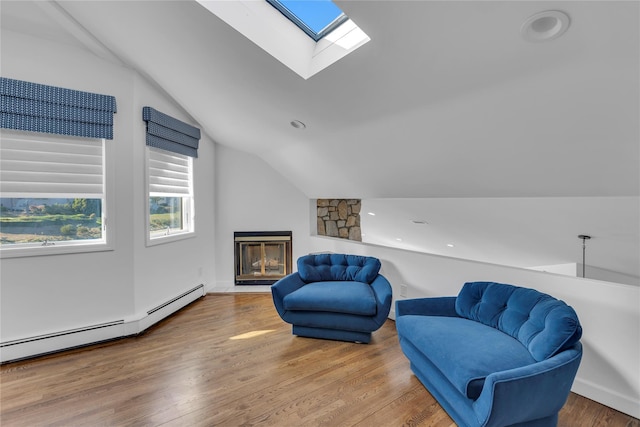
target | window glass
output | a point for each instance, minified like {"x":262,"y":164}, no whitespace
{"x":48,"y":221}
{"x":53,"y":193}
{"x":170,"y":179}
{"x":317,"y":18}
{"x":166,"y":215}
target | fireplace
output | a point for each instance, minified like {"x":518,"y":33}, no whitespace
{"x":262,"y":257}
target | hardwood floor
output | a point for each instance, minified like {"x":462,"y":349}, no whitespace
{"x":229,"y":360}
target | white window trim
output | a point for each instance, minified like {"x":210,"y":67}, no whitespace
{"x":188,"y":216}
{"x":108,"y":223}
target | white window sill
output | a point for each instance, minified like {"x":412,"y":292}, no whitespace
{"x":160,"y":240}
{"x":57,"y":249}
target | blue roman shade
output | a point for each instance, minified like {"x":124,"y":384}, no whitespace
{"x":40,"y":108}
{"x":170,"y":134}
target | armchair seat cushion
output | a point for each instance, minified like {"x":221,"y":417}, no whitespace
{"x":348,"y":297}
{"x":453,"y":341}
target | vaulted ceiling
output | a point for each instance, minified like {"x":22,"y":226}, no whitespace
{"x":446,"y":109}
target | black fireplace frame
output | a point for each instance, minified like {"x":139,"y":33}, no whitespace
{"x":261,"y":236}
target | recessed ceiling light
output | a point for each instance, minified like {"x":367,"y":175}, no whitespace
{"x":298,"y":124}
{"x":451,"y":245}
{"x":544,"y":26}
{"x":371,"y":213}
{"x":399,"y":239}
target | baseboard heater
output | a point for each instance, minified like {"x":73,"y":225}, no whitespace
{"x":40,"y":345}
{"x":165,"y":309}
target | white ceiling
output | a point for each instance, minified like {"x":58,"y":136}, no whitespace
{"x":447,"y":114}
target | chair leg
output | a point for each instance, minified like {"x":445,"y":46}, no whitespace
{"x":332,"y":334}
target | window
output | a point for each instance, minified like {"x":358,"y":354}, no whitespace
{"x":170,"y":182}
{"x":53,"y":194}
{"x":171,"y":146}
{"x":288,"y":30}
{"x":52,"y":168}
{"x":316,"y":18}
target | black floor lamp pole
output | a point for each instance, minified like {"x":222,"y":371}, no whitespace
{"x":584,"y":238}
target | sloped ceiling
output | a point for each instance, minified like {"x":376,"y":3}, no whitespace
{"x":446,"y":101}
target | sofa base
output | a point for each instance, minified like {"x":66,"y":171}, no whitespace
{"x":458,"y":407}
{"x":332,"y":334}
{"x":551,"y":421}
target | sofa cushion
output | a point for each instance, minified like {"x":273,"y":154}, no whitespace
{"x":463,"y":350}
{"x":540,"y":322}
{"x":334,"y":296}
{"x":328,"y":267}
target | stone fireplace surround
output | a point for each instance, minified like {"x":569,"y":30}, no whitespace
{"x":339,"y":218}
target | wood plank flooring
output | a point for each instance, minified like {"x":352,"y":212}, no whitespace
{"x":229,"y":360}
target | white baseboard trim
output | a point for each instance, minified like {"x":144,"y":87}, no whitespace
{"x":40,"y":345}
{"x":230,"y":287}
{"x":611,"y":398}
{"x":50,"y":343}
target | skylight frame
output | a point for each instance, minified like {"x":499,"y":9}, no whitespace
{"x":277,"y":35}
{"x":316,"y":36}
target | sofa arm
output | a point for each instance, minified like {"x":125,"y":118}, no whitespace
{"x":284,"y":287}
{"x":439,"y":306}
{"x":383,"y":293}
{"x":528,"y":393}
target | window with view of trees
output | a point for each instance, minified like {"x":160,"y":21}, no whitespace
{"x":53,"y":192}
{"x":170,"y":194}
{"x":165,"y":214}
{"x":49,"y":221}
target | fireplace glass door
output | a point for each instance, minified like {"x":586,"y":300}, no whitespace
{"x":262,"y":257}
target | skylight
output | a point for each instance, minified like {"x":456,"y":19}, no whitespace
{"x":316,"y":18}
{"x":330,"y":34}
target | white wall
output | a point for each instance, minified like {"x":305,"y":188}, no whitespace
{"x":609,"y":312}
{"x":52,"y":293}
{"x":161,"y":271}
{"x":606,"y":275}
{"x":48,"y":294}
{"x":570,"y":269}
{"x":252,"y":196}
{"x":590,"y":272}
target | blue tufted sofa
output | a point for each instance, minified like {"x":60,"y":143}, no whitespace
{"x":495,"y":355}
{"x":334,"y":296}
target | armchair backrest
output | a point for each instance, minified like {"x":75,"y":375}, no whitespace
{"x":543,"y":324}
{"x":338,"y":267}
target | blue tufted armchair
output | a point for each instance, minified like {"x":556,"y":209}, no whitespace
{"x":334,"y":296}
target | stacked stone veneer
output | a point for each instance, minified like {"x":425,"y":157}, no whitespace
{"x":339,"y":218}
